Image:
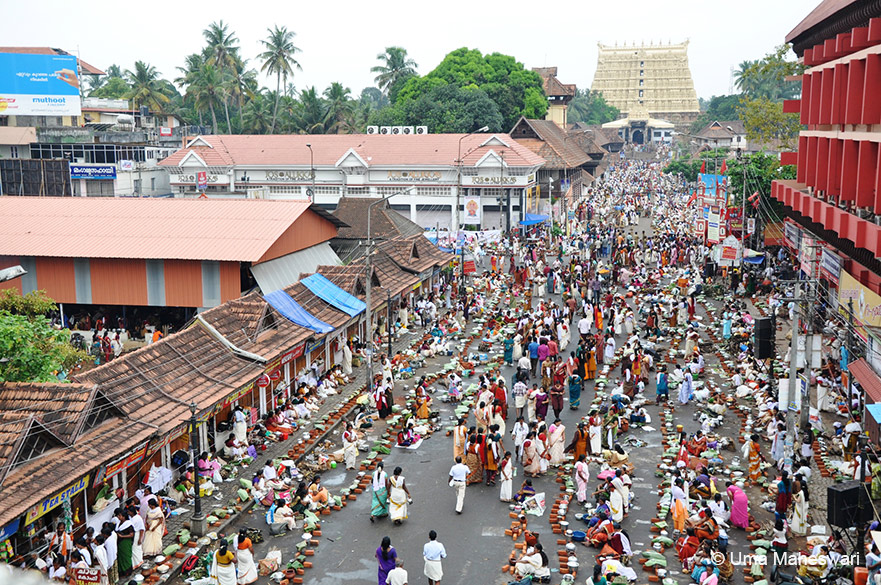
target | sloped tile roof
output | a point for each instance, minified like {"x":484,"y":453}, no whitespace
{"x":384,"y":221}
{"x":550,"y":142}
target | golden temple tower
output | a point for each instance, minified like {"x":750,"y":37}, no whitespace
{"x":653,"y":78}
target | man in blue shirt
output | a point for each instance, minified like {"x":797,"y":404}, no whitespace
{"x":532,"y":348}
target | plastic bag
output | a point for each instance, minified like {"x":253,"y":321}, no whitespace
{"x":270,"y":563}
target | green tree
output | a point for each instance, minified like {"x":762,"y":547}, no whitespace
{"x":278,"y":59}
{"x":339,"y":106}
{"x":396,"y":67}
{"x":445,"y":108}
{"x":31,"y":350}
{"x":688,"y":167}
{"x":374,"y":98}
{"x":146,"y":89}
{"x":115,"y":88}
{"x":312,"y":115}
{"x":767,"y":77}
{"x":766,"y":123}
{"x":257,"y":114}
{"x":221,"y":46}
{"x":590,"y":107}
{"x":719,"y":108}
{"x":205,"y":88}
{"x":515,"y":90}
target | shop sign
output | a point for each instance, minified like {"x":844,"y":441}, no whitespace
{"x":315,"y":345}
{"x":418,"y":285}
{"x":165,"y":131}
{"x":50,"y":504}
{"x":238,"y":394}
{"x":293,"y":354}
{"x":85,"y":576}
{"x":82,"y":171}
{"x":9,"y":529}
{"x":263,"y":381}
{"x":289,"y":176}
{"x":156,"y":445}
{"x":436,"y":271}
{"x":493,"y":180}
{"x":135,"y":457}
{"x":866,"y":303}
{"x":792,"y":235}
{"x":414,"y":176}
{"x":830,"y":265}
{"x":275,"y":375}
{"x":425,"y":274}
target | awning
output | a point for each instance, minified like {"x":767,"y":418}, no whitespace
{"x":279,"y":273}
{"x":334,"y":295}
{"x":754,"y":259}
{"x":284,"y":304}
{"x":867,"y":378}
{"x":532,"y":219}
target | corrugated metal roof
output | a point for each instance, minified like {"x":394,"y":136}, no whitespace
{"x":377,"y":149}
{"x":281,"y":272}
{"x":239,"y":230}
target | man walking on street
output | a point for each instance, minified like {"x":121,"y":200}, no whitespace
{"x":397,"y":576}
{"x":433,"y":552}
{"x":458,"y":473}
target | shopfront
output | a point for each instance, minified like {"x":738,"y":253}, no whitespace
{"x":67,"y":506}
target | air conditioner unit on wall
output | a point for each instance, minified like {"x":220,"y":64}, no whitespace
{"x":421,"y":129}
{"x":407,"y":130}
{"x":373,"y":130}
{"x":397,"y":129}
{"x":385,"y":130}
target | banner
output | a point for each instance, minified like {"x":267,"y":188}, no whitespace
{"x":830,"y":265}
{"x":713,"y":226}
{"x":39,"y":85}
{"x":51,"y":503}
{"x":792,"y":235}
{"x":85,"y":576}
{"x":86,"y":171}
{"x":472,"y":210}
{"x":807,"y":256}
{"x":866,"y":304}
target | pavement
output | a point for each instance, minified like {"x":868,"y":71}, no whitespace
{"x":475,"y":541}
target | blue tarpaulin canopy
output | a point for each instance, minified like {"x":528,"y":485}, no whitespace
{"x":532,"y":219}
{"x":334,"y":295}
{"x":754,"y":259}
{"x":284,"y":304}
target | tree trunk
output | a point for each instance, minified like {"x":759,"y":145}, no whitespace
{"x":277,"y":96}
{"x":226,"y":109}
{"x":213,"y":117}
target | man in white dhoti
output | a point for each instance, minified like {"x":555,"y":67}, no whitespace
{"x":433,"y":552}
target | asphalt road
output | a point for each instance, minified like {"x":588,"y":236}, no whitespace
{"x":476,"y":545}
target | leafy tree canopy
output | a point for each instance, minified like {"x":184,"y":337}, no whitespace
{"x":445,"y":108}
{"x":515,"y":90}
{"x":31,"y":350}
{"x":719,"y":107}
{"x":766,"y":77}
{"x":590,"y":107}
{"x":766,"y":123}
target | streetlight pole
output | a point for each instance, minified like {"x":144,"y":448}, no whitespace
{"x":311,"y":171}
{"x":456,"y":220}
{"x":197,"y":524}
{"x":368,"y":287}
{"x":388,"y":318}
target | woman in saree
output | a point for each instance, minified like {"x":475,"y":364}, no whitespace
{"x":460,"y":439}
{"x":557,"y":443}
{"x":579,"y":443}
{"x":595,"y":432}
{"x":379,"y":503}
{"x":509,"y":351}
{"x":399,"y":497}
{"x":125,"y":538}
{"x":247,"y":570}
{"x":474,"y":461}
{"x":680,"y":505}
{"x":590,"y":368}
{"x":754,"y":452}
{"x":574,"y":391}
{"x":531,"y":455}
{"x":155,"y":529}
{"x":799,"y":521}
{"x":223,"y":565}
{"x":739,"y":506}
{"x":582,"y":476}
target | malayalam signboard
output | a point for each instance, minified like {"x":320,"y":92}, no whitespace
{"x":866,"y":304}
{"x":830,"y":265}
{"x":83,"y":171}
{"x":39,"y":85}
{"x":792,"y":235}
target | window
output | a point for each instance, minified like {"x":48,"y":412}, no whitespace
{"x":641,"y":81}
{"x":641,"y":72}
{"x":356,"y":190}
{"x":137,"y":183}
{"x":4,"y":120}
{"x":13,"y":152}
{"x":433,"y":191}
{"x":290,"y":189}
{"x":152,"y":183}
{"x":327,"y":190}
{"x":640,"y":93}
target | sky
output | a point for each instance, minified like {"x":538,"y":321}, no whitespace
{"x":339,"y":40}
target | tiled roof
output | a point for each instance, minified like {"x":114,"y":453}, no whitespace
{"x":378,"y":150}
{"x":87,"y":69}
{"x":384,"y":222}
{"x":58,"y":406}
{"x":552,"y":85}
{"x":550,"y":142}
{"x":187,"y":229}
{"x":717,"y":129}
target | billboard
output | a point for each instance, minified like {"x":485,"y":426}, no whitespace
{"x":472,"y":210}
{"x":39,"y":85}
{"x":91,"y":171}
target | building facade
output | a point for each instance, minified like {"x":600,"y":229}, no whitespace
{"x":432,"y":175}
{"x":655,"y":79}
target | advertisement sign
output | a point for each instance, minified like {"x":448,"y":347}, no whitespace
{"x":713,"y":226}
{"x":85,"y":576}
{"x":830,"y":265}
{"x":126,"y":165}
{"x":164,"y":131}
{"x":263,"y":381}
{"x":81,"y":171}
{"x":51,"y":503}
{"x":713,"y":184}
{"x":201,"y":180}
{"x":315,"y":345}
{"x":9,"y":529}
{"x":807,"y":256}
{"x":751,"y":225}
{"x":39,"y":85}
{"x":866,"y":304}
{"x":792,"y":235}
{"x":472,"y":210}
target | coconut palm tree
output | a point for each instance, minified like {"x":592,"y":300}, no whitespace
{"x":278,"y":59}
{"x":396,"y":65}
{"x":313,"y":113}
{"x":146,"y":87}
{"x":339,"y":105}
{"x":205,"y":89}
{"x":257,"y":115}
{"x":222,"y":46}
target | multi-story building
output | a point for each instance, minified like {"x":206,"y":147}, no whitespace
{"x":439,"y":179}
